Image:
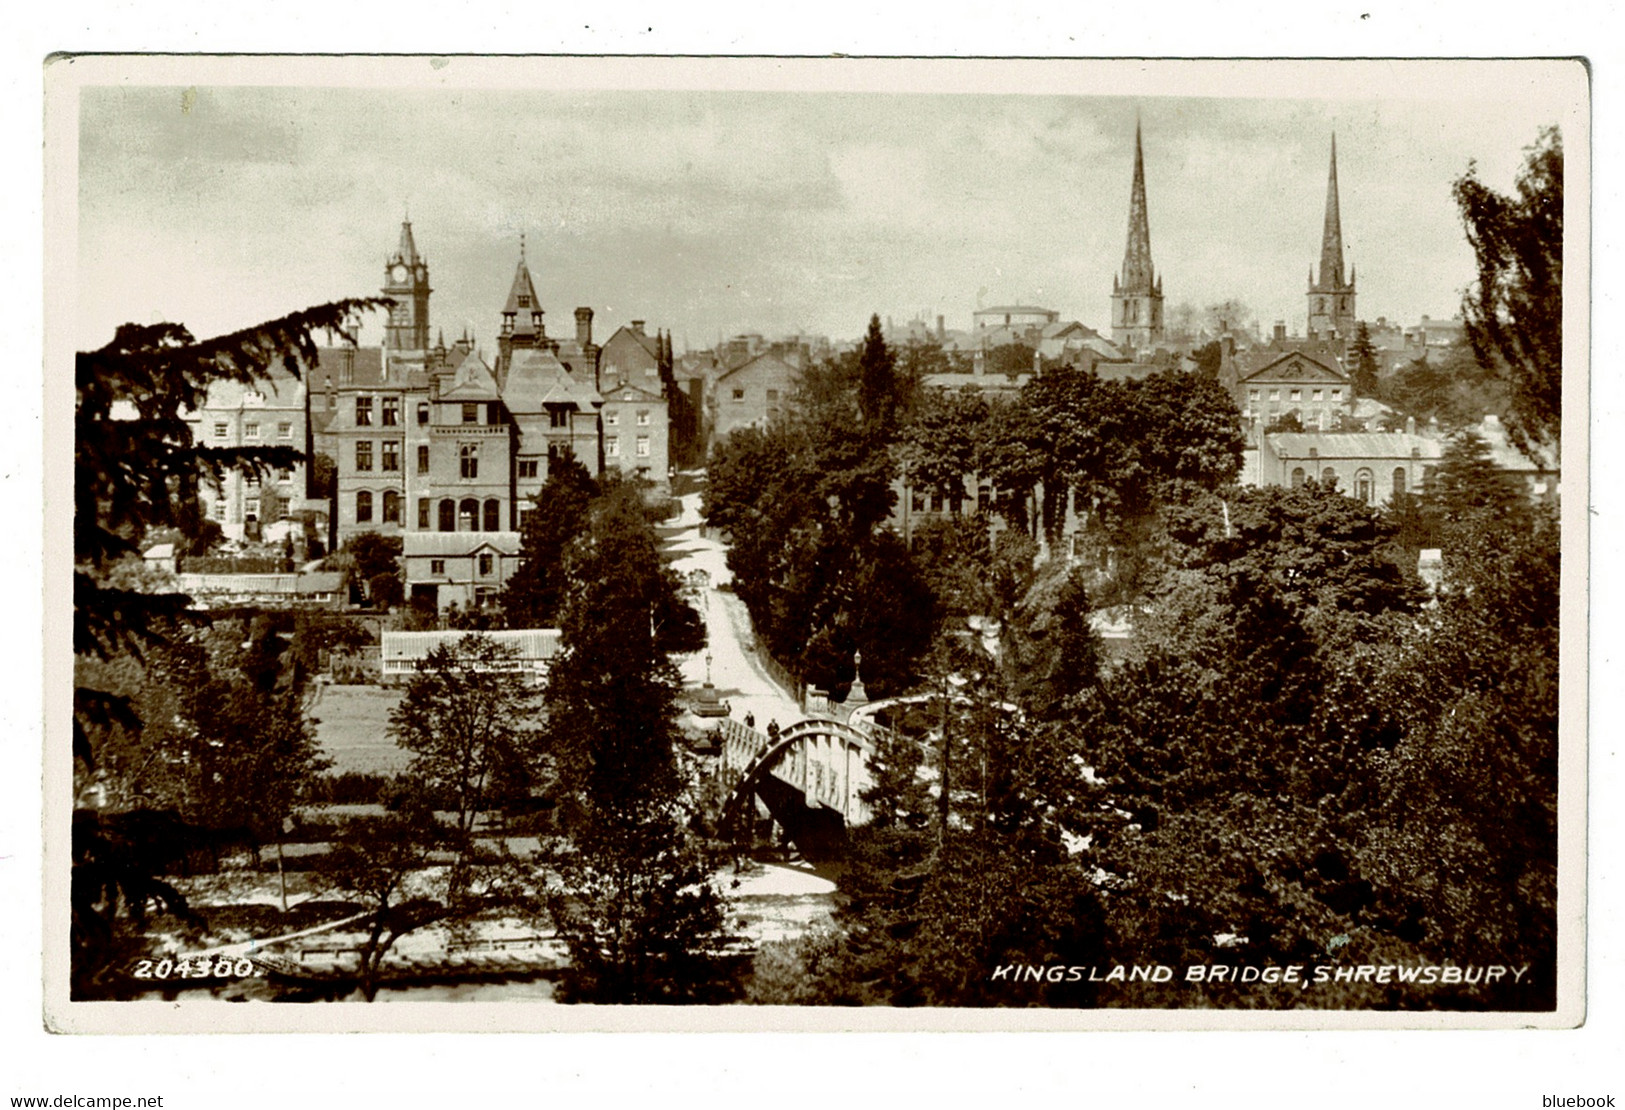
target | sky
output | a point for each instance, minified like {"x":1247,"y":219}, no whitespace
{"x":775,"y":206}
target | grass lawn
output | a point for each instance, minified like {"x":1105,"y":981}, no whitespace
{"x":352,"y":729}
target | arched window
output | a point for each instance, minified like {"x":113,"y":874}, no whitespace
{"x":1362,"y":486}
{"x":1399,"y":481}
{"x":1328,"y":476}
{"x":493,"y":515}
{"x":1297,"y":477}
{"x":468,"y":515}
{"x":363,"y":506}
{"x":392,"y":507}
{"x":448,"y":515}
{"x":469,"y":454}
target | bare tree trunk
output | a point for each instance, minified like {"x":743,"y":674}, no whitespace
{"x":281,"y":877}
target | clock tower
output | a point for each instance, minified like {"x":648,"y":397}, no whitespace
{"x":406,"y":281}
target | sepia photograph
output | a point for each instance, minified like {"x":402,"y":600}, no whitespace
{"x":657,"y":543}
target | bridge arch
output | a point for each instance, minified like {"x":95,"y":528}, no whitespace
{"x":811,"y":779}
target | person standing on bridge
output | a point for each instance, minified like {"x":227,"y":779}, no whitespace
{"x":773,"y":732}
{"x":750,"y":719}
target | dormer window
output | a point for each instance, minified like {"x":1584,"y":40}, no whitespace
{"x":524,"y":301}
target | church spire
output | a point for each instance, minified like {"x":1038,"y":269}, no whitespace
{"x":1331,"y":239}
{"x":1137,"y":270}
{"x":1137,"y":291}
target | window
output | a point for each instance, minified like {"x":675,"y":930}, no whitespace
{"x":251,"y":509}
{"x":1337,"y":394}
{"x":363,"y":507}
{"x":251,"y":479}
{"x":611,"y":419}
{"x":1252,"y":395}
{"x":1297,"y":394}
{"x":423,"y":514}
{"x":437,"y":566}
{"x":1399,"y":481}
{"x":643,"y":418}
{"x":392,"y":507}
{"x":1297,"y":477}
{"x":917,"y":501}
{"x":493,"y":515}
{"x":528,"y":468}
{"x":469,"y":456}
{"x":363,"y":454}
{"x":772,"y":396}
{"x":471,"y":413}
{"x":1328,"y":476}
{"x":448,"y":516}
{"x":251,"y":431}
{"x":612,"y":446}
{"x":391,"y":413}
{"x":283,"y":474}
{"x":423,"y":459}
{"x":643,"y":447}
{"x":524,"y":300}
{"x":485,"y":565}
{"x":284,"y":430}
{"x":558,"y":417}
{"x":363,"y":411}
{"x":392,"y":455}
{"x":219,"y":431}
{"x":468,"y":515}
{"x":1275,"y":394}
{"x":1362,"y":486}
{"x":423,"y":412}
{"x":739,"y":395}
{"x":1317,"y":394}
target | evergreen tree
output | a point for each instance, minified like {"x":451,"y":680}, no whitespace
{"x":1364,"y":354}
{"x":879,"y":392}
{"x":1514,"y":311}
{"x":535,"y":590}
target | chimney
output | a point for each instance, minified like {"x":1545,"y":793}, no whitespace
{"x":1280,"y":330}
{"x":942,"y":331}
{"x":1410,"y":425}
{"x":583,"y":327}
{"x":637,"y":326}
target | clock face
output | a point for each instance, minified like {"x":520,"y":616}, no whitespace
{"x":397,"y":272}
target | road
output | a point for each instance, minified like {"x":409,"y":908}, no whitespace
{"x":736,"y":671}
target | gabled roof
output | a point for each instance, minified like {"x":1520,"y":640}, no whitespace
{"x":642,"y":339}
{"x":629,"y":392}
{"x":1296,"y":366}
{"x":536,"y":378}
{"x":471,"y":381}
{"x":767,"y":360}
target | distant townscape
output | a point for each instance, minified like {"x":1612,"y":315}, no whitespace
{"x":554,"y":662}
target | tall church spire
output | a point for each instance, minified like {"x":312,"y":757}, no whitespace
{"x":1331,"y":298}
{"x":1331,"y":239}
{"x":1137,"y":291}
{"x":408,"y":250}
{"x":1137,"y":271}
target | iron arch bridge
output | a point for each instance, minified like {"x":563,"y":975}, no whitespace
{"x":811,"y":780}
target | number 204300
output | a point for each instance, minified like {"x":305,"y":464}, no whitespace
{"x":195,"y":967}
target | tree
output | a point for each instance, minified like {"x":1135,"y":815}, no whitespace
{"x":534,"y":592}
{"x":465,"y":719}
{"x":1364,"y":354}
{"x":136,"y":469}
{"x":1514,"y":310}
{"x":937,"y":446}
{"x":632,"y":896}
{"x":378,"y":860}
{"x":879,"y":392}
